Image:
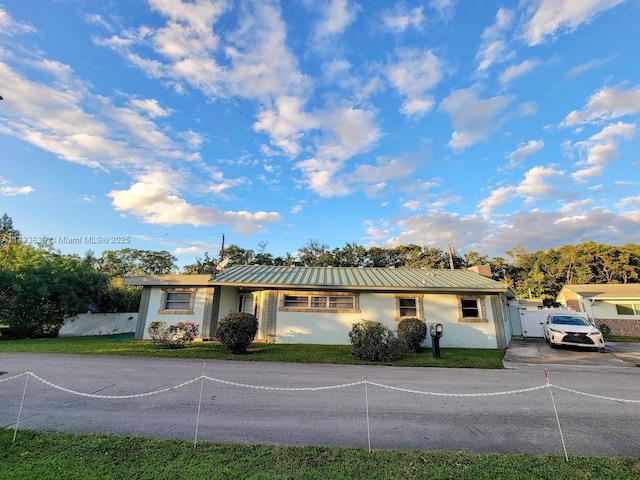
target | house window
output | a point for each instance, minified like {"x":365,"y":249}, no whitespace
{"x":628,"y":308}
{"x":320,"y":302}
{"x":471,"y":308}
{"x":177,"y":301}
{"x":409,"y":306}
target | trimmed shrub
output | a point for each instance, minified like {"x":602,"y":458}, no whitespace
{"x":372,"y":341}
{"x":172,"y":336}
{"x":412,"y":332}
{"x":236,"y":331}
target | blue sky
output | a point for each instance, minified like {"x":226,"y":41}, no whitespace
{"x":164,"y":124}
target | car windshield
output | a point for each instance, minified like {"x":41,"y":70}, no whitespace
{"x":562,"y":320}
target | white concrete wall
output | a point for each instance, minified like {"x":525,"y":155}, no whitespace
{"x":87,"y":324}
{"x":155,"y":306}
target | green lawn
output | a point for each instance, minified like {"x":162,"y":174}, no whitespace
{"x":262,"y":352}
{"x":44,"y":455}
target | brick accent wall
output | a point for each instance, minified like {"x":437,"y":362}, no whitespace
{"x":624,"y":327}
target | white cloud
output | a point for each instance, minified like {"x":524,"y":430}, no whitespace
{"x":285,"y":123}
{"x":585,"y":67}
{"x":606,"y":104}
{"x":473,"y":119}
{"x":9,"y":26}
{"x":349,"y":131}
{"x":150,"y":106}
{"x":444,"y":8}
{"x":633,"y":202}
{"x":540,"y":182}
{"x":602,"y":148}
{"x":551,"y":17}
{"x":499,"y":197}
{"x":9,"y":191}
{"x":155,"y":199}
{"x":413,"y":75}
{"x":400,"y":19}
{"x":523,"y":151}
{"x":493,"y":47}
{"x":337,"y":16}
{"x":189,"y":250}
{"x":515,"y":71}
{"x":321,"y":176}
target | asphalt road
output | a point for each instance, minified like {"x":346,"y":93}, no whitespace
{"x":517,"y":422}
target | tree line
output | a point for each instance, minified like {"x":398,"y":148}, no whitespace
{"x":37,"y":281}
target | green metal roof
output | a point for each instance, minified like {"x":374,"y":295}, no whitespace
{"x":354,"y":278}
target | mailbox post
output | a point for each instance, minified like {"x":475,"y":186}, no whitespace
{"x":435,"y":329}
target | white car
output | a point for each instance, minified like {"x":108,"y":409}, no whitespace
{"x":572,"y":330}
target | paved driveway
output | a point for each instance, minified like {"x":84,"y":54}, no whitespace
{"x":537,"y":351}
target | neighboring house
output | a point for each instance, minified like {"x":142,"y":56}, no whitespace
{"x":320,"y":304}
{"x":617,"y":306}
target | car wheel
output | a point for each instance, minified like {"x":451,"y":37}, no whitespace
{"x":546,"y":339}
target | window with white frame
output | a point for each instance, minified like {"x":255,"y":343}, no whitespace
{"x":409,"y":306}
{"x":628,"y":308}
{"x":177,"y":301}
{"x":320,"y":302}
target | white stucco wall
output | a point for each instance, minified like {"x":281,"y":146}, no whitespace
{"x":444,"y":309}
{"x":87,"y":324}
{"x":333,"y":328}
{"x":229,"y":302}
{"x":155,"y":306}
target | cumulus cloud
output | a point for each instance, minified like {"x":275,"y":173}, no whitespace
{"x":601,"y":148}
{"x":400,"y":19}
{"x":336,"y":17}
{"x":498,"y":197}
{"x":523,"y":151}
{"x":155,"y":198}
{"x":606,"y":104}
{"x":551,"y":17}
{"x":473,"y":119}
{"x":413,"y":75}
{"x":285,"y":123}
{"x":540,"y":182}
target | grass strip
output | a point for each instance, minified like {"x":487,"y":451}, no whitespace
{"x":48,"y":455}
{"x":259,"y":352}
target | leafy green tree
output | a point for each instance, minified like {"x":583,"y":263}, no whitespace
{"x":8,"y":234}
{"x":202,"y":265}
{"x":40,"y":287}
{"x":130,"y":261}
{"x":315,"y":254}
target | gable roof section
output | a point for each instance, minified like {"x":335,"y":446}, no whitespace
{"x":354,"y":278}
{"x":608,"y":291}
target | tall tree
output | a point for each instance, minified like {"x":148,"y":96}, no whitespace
{"x":40,"y":287}
{"x":8,"y":234}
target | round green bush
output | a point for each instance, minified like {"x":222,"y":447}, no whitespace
{"x":236,"y":331}
{"x":412,"y":332}
{"x":372,"y":341}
